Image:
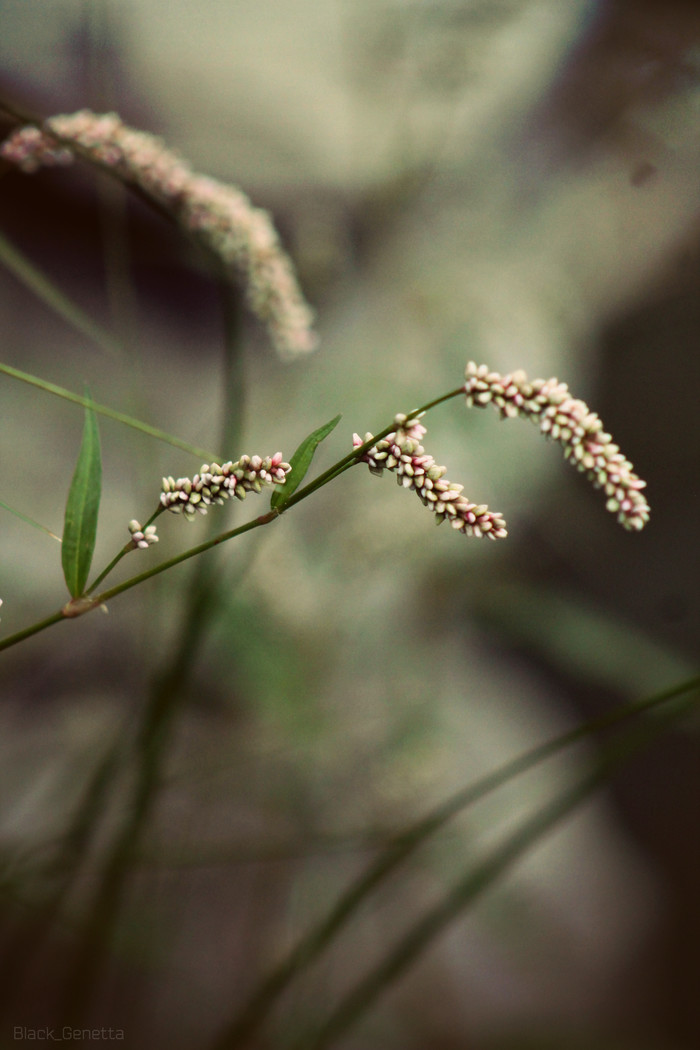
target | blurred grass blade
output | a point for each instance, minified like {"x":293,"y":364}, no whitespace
{"x":254,"y":1011}
{"x":580,"y":639}
{"x":104,"y":410}
{"x":28,"y":520}
{"x":301,"y":461}
{"x":82,"y":507}
{"x":480,"y":877}
{"x":45,"y":289}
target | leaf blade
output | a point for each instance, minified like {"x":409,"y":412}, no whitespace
{"x":301,"y":461}
{"x":82,"y":508}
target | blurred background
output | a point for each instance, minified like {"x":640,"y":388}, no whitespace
{"x":188,"y":782}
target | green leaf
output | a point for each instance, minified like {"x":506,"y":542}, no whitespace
{"x":80,"y":527}
{"x":301,"y":461}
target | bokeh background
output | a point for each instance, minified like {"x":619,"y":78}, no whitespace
{"x":510,"y":181}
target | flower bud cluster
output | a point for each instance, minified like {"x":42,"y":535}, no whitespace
{"x":570,"y":422}
{"x":402,"y":453}
{"x":216,"y":483}
{"x":30,"y":149}
{"x":141,"y":537}
{"x":242,"y":236}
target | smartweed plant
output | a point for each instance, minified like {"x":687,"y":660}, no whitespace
{"x":245,"y":249}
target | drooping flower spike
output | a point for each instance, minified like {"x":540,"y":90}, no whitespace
{"x":568,"y":421}
{"x":402,"y":453}
{"x":216,"y":483}
{"x":242,"y":236}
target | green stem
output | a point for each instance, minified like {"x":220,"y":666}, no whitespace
{"x":30,"y":938}
{"x":167,"y":694}
{"x":151,"y":746}
{"x":353,"y":457}
{"x":40,"y":625}
{"x":87,"y":605}
{"x":122,"y":553}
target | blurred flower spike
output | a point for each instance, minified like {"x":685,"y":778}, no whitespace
{"x":221,"y":216}
{"x":402,"y":453}
{"x":216,"y":483}
{"x":570,"y":422}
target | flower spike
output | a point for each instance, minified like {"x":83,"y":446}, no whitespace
{"x":402,"y":453}
{"x":216,"y":483}
{"x":570,"y":422}
{"x":242,"y":236}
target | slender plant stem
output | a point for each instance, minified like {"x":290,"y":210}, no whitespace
{"x":356,"y":455}
{"x":35,"y":628}
{"x":151,"y":746}
{"x":29,"y":521}
{"x":104,"y":410}
{"x":45,"y":289}
{"x":167,"y":694}
{"x":83,"y":605}
{"x":477,"y":880}
{"x":233,"y":407}
{"x":256,"y":1009}
{"x":22,"y":116}
{"x":30,"y":938}
{"x":126,"y":549}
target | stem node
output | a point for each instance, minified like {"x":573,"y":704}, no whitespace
{"x":78,"y":606}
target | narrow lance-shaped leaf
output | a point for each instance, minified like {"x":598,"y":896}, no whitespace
{"x":301,"y":461}
{"x":83,"y":504}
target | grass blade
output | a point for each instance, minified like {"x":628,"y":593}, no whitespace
{"x":44,"y":288}
{"x":28,"y":520}
{"x":104,"y":410}
{"x":479,"y":878}
{"x":253,"y":1013}
{"x":82,"y":507}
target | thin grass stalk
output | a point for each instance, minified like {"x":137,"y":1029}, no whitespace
{"x":255,"y":1011}
{"x":167,"y":694}
{"x":477,"y":880}
{"x":27,"y":944}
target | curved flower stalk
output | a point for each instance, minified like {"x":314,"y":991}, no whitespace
{"x":570,"y":422}
{"x":402,"y":452}
{"x":242,"y":236}
{"x":216,"y":483}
